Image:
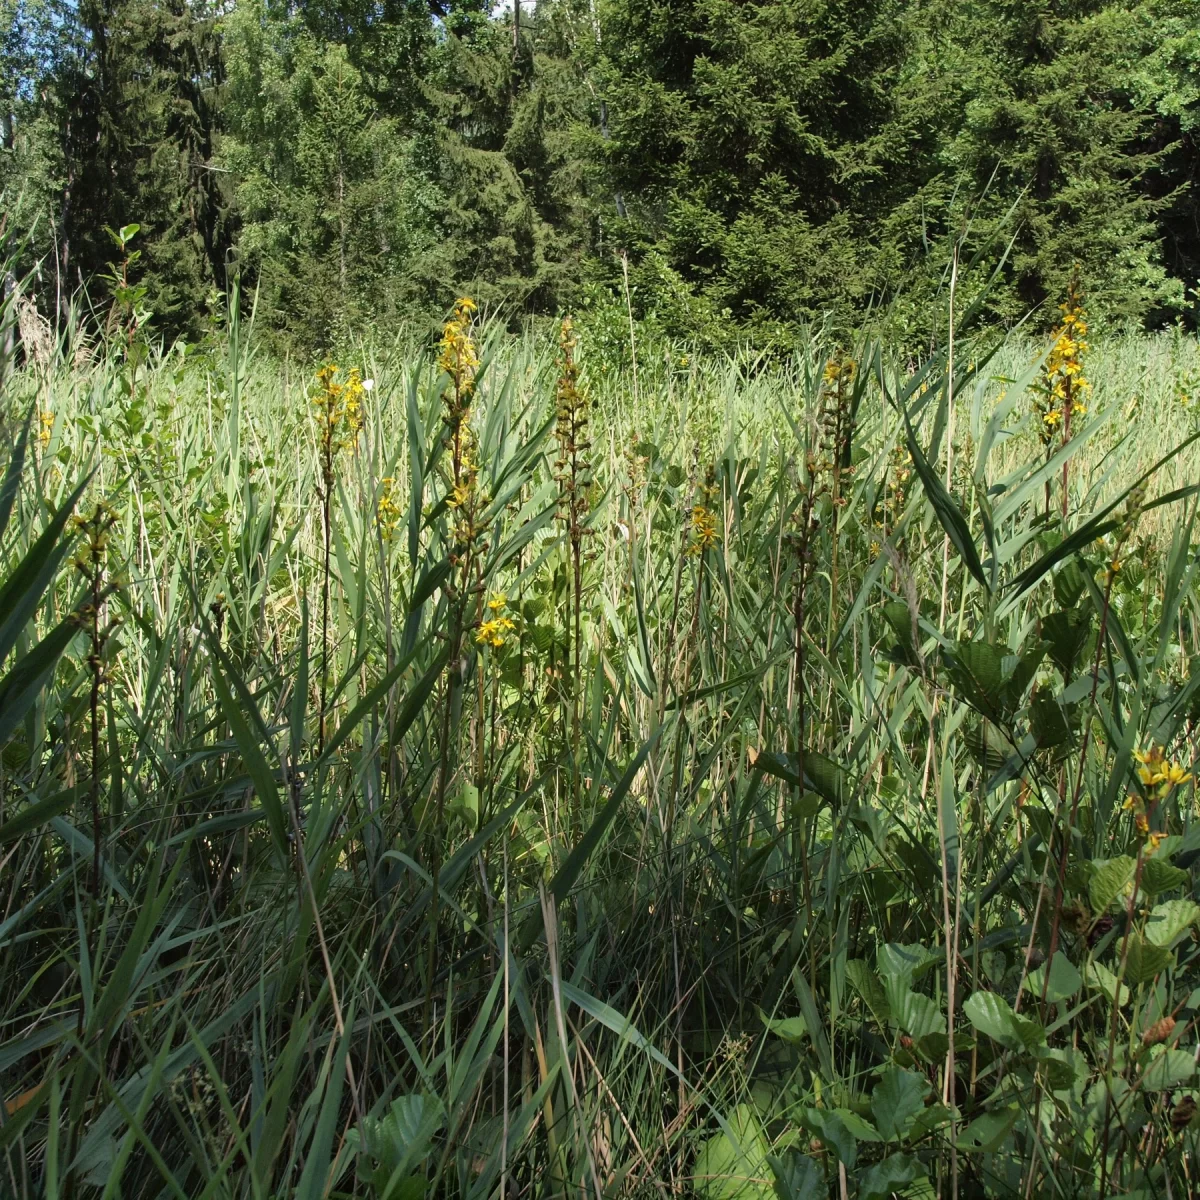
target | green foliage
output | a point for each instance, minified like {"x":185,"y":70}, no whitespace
{"x":730,"y":842}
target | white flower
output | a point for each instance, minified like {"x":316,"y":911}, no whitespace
{"x":368,"y":385}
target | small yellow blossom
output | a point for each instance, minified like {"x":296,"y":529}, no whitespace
{"x":704,"y":530}
{"x":459,"y":357}
{"x":387,"y":512}
{"x":1155,"y":770}
{"x":1062,"y":392}
{"x":839,"y":370}
{"x":493,"y":632}
{"x":352,"y":395}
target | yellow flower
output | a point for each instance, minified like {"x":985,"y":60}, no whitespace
{"x":1156,"y":771}
{"x":387,"y":512}
{"x":704,"y":530}
{"x":1142,"y":823}
{"x":1176,"y":775}
{"x":457,"y":354}
{"x":1063,"y":388}
{"x":353,"y":393}
{"x":492,"y":633}
{"x":498,"y":601}
{"x":1153,"y":839}
{"x":839,"y":370}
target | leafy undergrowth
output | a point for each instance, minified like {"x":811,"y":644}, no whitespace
{"x":500,"y":779}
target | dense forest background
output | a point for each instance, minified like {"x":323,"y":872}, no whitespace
{"x":724,"y":168}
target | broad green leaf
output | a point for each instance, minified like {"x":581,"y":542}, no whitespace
{"x":397,"y":1143}
{"x":826,"y":777}
{"x":797,"y":1177}
{"x":1109,"y":879}
{"x":1058,"y":1069}
{"x":991,"y":1014}
{"x":1168,"y":1068}
{"x":832,"y":1130}
{"x":1064,"y":982}
{"x":988,"y":1132}
{"x":1021,"y":675}
{"x":1066,"y":632}
{"x":862,"y":1129}
{"x":1144,"y":960}
{"x":918,"y":1015}
{"x":1159,"y":876}
{"x":866,"y":983}
{"x":727,"y":1168}
{"x":932,"y":1046}
{"x":1100,"y":979}
{"x":977,"y":671}
{"x":893,"y":1174}
{"x":791,"y":1029}
{"x":1170,"y":920}
{"x":930,"y":1118}
{"x":898,"y":1097}
{"x":898,"y":966}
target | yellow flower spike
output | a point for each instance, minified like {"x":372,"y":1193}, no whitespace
{"x":387,"y":512}
{"x":1059,"y":396}
{"x":704,"y":530}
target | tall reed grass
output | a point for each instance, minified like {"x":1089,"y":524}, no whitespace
{"x":784,"y":831}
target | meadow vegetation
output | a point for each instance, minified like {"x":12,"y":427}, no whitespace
{"x":504,"y":766}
